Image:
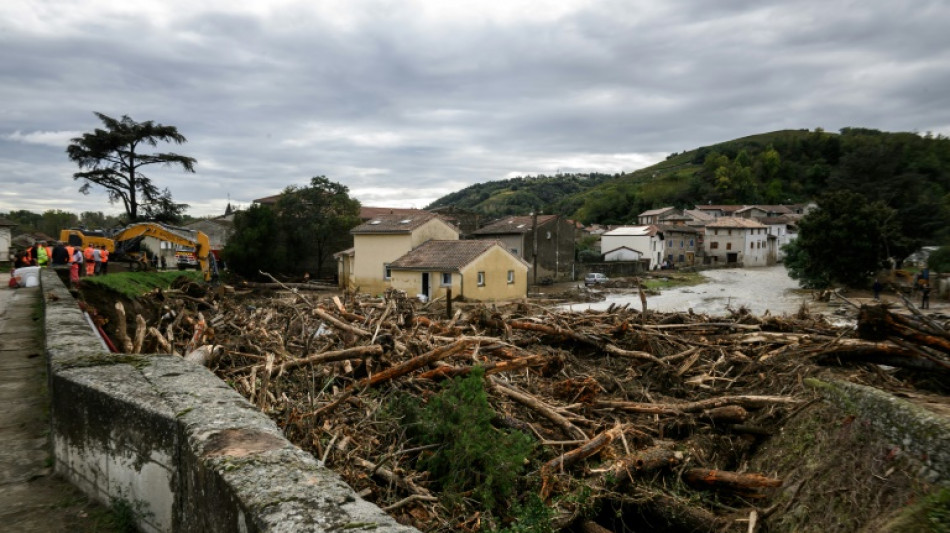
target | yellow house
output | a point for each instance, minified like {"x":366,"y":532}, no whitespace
{"x":476,"y":270}
{"x":383,"y":239}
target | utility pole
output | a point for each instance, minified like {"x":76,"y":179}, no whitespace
{"x":534,"y":230}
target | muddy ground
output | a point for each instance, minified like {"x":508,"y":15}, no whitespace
{"x":662,"y":399}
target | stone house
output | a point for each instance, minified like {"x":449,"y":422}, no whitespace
{"x":738,"y":241}
{"x":551,"y":235}
{"x":473,"y":269}
{"x":683,"y":244}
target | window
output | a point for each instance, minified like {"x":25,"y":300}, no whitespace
{"x":387,"y":272}
{"x":752,"y":246}
{"x":728,"y":246}
{"x":682,"y":243}
{"x":682,"y":258}
{"x":446,"y":279}
{"x":514,"y":251}
{"x":691,"y":243}
{"x":481,"y":279}
{"x":511,"y":277}
{"x":713,"y":245}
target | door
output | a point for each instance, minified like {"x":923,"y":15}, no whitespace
{"x":425,"y":284}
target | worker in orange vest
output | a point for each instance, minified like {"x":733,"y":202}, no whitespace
{"x":70,"y":248}
{"x":104,"y":255}
{"x":89,"y":256}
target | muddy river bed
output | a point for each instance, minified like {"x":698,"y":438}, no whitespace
{"x":760,"y":290}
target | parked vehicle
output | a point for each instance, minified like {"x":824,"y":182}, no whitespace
{"x":595,"y":278}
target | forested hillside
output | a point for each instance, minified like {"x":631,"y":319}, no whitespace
{"x":907,"y":171}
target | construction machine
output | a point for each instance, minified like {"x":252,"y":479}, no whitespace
{"x":83,"y":238}
{"x":190,"y":242}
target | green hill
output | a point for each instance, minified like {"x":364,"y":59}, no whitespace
{"x":907,"y":171}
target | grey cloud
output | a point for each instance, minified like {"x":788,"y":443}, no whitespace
{"x":390,"y":99}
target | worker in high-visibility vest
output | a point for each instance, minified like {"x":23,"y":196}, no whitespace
{"x":89,"y":257}
{"x":104,"y":256}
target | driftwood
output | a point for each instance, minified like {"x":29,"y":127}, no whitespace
{"x":747,"y":483}
{"x":121,"y":334}
{"x":655,"y":391}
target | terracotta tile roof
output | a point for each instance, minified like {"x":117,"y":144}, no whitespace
{"x":507,"y":225}
{"x":443,"y":255}
{"x":394,"y":223}
{"x":733,"y":222}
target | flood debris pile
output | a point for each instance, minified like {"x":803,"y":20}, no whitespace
{"x":518,"y":418}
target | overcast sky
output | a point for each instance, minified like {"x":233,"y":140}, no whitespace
{"x":404,"y":101}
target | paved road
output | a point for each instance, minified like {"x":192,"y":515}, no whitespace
{"x":32,"y":498}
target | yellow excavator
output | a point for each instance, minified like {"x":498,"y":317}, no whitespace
{"x":82,"y":238}
{"x":124,"y":243}
{"x":129,"y":237}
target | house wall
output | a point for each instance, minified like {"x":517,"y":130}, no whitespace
{"x":750,"y":245}
{"x":434,"y":229}
{"x":344,"y":272}
{"x":555,"y":249}
{"x":622,"y":254}
{"x":756,"y":248}
{"x":513,"y":243}
{"x":495,"y":263}
{"x":680,"y":248}
{"x":371,"y":253}
{"x":726,"y":241}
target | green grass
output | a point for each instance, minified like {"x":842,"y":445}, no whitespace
{"x":135,"y":284}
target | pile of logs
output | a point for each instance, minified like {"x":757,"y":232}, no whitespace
{"x":628,"y":408}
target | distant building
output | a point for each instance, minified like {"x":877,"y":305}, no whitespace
{"x":551,"y":235}
{"x":646,"y":240}
{"x":738,"y":241}
{"x":683,"y":244}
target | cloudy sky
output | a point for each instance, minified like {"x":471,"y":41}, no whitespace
{"x":404,"y":101}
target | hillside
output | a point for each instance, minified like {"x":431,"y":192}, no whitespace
{"x":906,"y":171}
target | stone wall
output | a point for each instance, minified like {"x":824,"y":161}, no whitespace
{"x":181,"y":447}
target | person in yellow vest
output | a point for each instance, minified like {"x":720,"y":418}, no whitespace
{"x":89,"y":257}
{"x":104,"y":255}
{"x":42,"y":254}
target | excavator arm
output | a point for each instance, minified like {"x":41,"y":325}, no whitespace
{"x":199,"y":241}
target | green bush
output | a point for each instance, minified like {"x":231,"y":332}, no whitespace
{"x":472,"y":458}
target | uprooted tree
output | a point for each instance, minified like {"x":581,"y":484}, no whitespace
{"x":112,"y":158}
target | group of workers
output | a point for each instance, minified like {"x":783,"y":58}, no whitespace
{"x":88,"y":261}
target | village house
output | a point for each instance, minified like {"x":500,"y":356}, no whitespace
{"x":783,"y":229}
{"x":382,"y":240}
{"x":738,"y":241}
{"x":646,"y":240}
{"x":657,"y":216}
{"x":551,"y":235}
{"x":681,"y":244}
{"x":472,"y":269}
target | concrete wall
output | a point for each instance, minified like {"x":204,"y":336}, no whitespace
{"x":171,"y":439}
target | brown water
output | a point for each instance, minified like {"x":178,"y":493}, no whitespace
{"x":758,"y":289}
